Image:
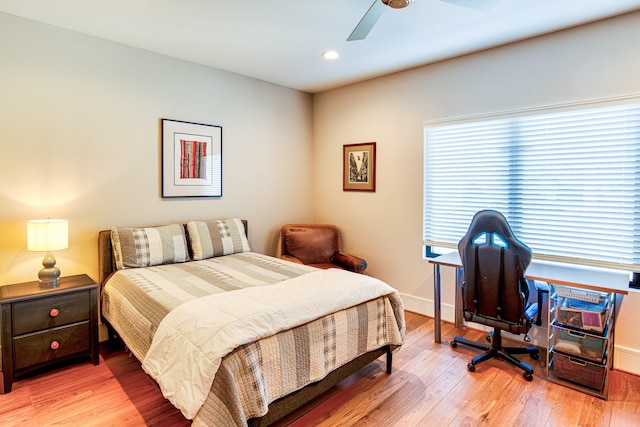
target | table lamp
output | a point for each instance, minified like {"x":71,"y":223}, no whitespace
{"x":48,"y":235}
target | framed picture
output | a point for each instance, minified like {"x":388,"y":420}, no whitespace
{"x":191,"y":159}
{"x":359,"y":167}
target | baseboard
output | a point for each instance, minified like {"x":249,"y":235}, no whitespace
{"x":103,"y":334}
{"x":626,"y":359}
{"x":425,"y":307}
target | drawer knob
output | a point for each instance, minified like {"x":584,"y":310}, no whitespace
{"x":55,"y":345}
{"x":54,"y":312}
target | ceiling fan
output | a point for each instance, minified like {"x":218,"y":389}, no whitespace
{"x":380,"y":6}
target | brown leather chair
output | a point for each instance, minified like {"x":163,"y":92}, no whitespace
{"x":317,"y":245}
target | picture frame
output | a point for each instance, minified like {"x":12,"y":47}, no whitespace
{"x":191,"y":159}
{"x":359,"y":167}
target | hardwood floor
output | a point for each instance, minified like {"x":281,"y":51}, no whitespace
{"x":429,"y":386}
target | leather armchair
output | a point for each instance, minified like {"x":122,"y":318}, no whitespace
{"x":317,"y":245}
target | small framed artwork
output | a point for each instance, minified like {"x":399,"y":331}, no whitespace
{"x":359,"y":167}
{"x":191,"y":159}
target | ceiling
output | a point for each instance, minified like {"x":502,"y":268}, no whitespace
{"x":282,"y":41}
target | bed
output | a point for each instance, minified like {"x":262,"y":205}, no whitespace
{"x":234,"y":337}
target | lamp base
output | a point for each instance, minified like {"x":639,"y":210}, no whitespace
{"x":49,"y":284}
{"x":50,"y":273}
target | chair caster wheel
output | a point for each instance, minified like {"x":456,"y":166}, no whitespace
{"x":454,"y":344}
{"x":528,"y":376}
{"x":535,"y":355}
{"x":471,"y":367}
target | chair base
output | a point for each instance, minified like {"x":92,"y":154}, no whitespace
{"x":495,"y":349}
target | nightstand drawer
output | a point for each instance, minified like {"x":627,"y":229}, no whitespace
{"x":49,"y":312}
{"x":33,"y":349}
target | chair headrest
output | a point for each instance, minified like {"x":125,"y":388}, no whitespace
{"x":491,"y":227}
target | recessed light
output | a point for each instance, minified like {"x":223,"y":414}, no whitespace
{"x":330,"y":55}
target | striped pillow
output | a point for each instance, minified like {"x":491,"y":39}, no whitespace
{"x":144,"y":247}
{"x":216,"y":238}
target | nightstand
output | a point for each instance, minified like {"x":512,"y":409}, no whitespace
{"x":46,"y":326}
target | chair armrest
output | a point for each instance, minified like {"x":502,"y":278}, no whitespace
{"x":350,"y":262}
{"x":542,"y":288}
{"x":531,"y":311}
{"x":291,"y":258}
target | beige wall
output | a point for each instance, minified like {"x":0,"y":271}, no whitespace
{"x":79,"y":138}
{"x":596,"y":61}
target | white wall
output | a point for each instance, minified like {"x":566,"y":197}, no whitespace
{"x":79,"y":139}
{"x":595,"y":61}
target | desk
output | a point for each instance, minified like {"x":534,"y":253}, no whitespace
{"x":575,"y":275}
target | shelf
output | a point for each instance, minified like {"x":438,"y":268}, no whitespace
{"x":578,"y":349}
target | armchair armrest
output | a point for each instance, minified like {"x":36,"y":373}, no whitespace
{"x":291,"y":258}
{"x":350,"y":262}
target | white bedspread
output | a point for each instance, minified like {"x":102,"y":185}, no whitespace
{"x":192,"y":339}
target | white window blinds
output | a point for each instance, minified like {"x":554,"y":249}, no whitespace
{"x":568,"y":182}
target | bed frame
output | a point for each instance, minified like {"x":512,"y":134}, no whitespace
{"x":283,"y":406}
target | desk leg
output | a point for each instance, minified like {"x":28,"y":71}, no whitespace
{"x":458,"y":305}
{"x":436,"y":303}
{"x":612,"y":328}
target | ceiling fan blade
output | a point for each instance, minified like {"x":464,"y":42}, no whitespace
{"x":368,"y":21}
{"x":483,"y":5}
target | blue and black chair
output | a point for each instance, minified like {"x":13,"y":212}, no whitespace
{"x":495,"y":292}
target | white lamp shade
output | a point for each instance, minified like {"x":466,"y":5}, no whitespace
{"x":47,"y":234}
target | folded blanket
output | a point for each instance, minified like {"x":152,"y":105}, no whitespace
{"x":192,"y":339}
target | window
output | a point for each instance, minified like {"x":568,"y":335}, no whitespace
{"x":567,"y":181}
